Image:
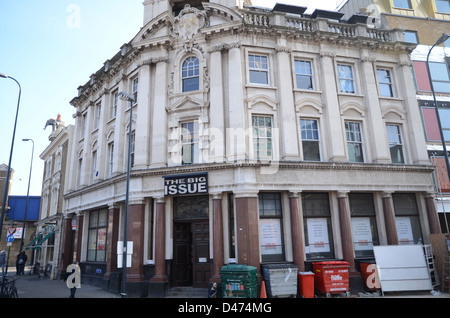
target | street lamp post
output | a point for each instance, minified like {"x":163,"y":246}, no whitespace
{"x":8,"y":173}
{"x":28,"y":194}
{"x":123,"y":292}
{"x":442,"y":39}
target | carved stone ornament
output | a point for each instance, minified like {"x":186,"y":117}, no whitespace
{"x":189,"y":22}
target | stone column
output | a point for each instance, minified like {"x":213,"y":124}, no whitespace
{"x":160,"y":243}
{"x":247,"y":230}
{"x":389,"y":219}
{"x":142,"y":124}
{"x":218,"y":258}
{"x":216,"y":108}
{"x":67,"y":242}
{"x":346,"y":230}
{"x":136,"y":217}
{"x":433,"y":220}
{"x":335,"y":142}
{"x":235,"y":132}
{"x":113,"y":237}
{"x":159,"y":116}
{"x":298,"y":246}
{"x":288,"y":121}
{"x":78,"y":238}
{"x":380,"y":150}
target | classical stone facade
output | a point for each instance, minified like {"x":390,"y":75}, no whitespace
{"x":417,"y":18}
{"x":258,"y":136}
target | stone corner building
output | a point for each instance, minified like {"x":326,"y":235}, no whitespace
{"x":258,"y":136}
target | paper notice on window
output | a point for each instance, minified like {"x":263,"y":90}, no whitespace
{"x":404,"y":230}
{"x":270,"y":236}
{"x":362,"y":235}
{"x":318,"y":235}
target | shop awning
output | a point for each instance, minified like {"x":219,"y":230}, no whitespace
{"x":38,"y":245}
{"x":32,"y":242}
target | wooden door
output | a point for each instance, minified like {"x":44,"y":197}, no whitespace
{"x":182,"y":260}
{"x":200,"y":254}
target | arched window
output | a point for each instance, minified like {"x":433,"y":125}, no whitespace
{"x":190,"y":74}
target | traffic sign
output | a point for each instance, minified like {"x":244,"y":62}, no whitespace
{"x":9,"y":238}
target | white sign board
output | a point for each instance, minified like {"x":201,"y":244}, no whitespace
{"x":402,"y":268}
{"x":120,"y":253}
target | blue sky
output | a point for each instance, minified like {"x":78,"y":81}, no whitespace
{"x":52,"y":47}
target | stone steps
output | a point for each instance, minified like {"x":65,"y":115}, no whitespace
{"x":187,"y":292}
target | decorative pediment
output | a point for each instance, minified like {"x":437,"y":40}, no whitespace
{"x":220,"y":14}
{"x":353,"y":108}
{"x":154,"y":28}
{"x":187,"y":103}
{"x":262,"y":99}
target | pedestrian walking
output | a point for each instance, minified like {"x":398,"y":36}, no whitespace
{"x":3,"y":261}
{"x":21,"y":260}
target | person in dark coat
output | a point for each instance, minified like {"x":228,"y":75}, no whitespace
{"x":21,"y":260}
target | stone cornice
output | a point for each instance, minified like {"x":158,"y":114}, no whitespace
{"x":351,"y":167}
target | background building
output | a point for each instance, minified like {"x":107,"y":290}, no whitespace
{"x":51,"y":221}
{"x":423,"y":22}
{"x":259,"y":136}
{"x":15,"y":219}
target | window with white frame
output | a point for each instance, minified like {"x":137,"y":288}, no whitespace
{"x":190,"y":74}
{"x":354,"y":141}
{"x":80,"y":171}
{"x":395,"y":143}
{"x":97,"y":236}
{"x":303,"y":74}
{"x":189,"y":136}
{"x":403,"y":4}
{"x":94,"y":165}
{"x":262,"y":137}
{"x":411,"y":36}
{"x":310,"y":139}
{"x":440,"y":76}
{"x":385,"y":82}
{"x":317,"y":226}
{"x":443,"y":6}
{"x":110,"y":165}
{"x":114,"y":102}
{"x":346,"y":79}
{"x":407,"y":219}
{"x":271,"y":226}
{"x":364,"y":224}
{"x":134,"y":89}
{"x":83,"y":125}
{"x":258,"y":66}
{"x":98,"y":112}
{"x":132,"y":148}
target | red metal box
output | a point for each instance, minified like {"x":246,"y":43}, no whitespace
{"x":331,"y":277}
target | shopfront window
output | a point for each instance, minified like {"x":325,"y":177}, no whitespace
{"x":270,"y":227}
{"x":364,"y":227}
{"x":407,"y":218}
{"x":317,"y":225}
{"x":97,"y":235}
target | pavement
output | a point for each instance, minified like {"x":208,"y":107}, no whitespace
{"x":30,"y":286}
